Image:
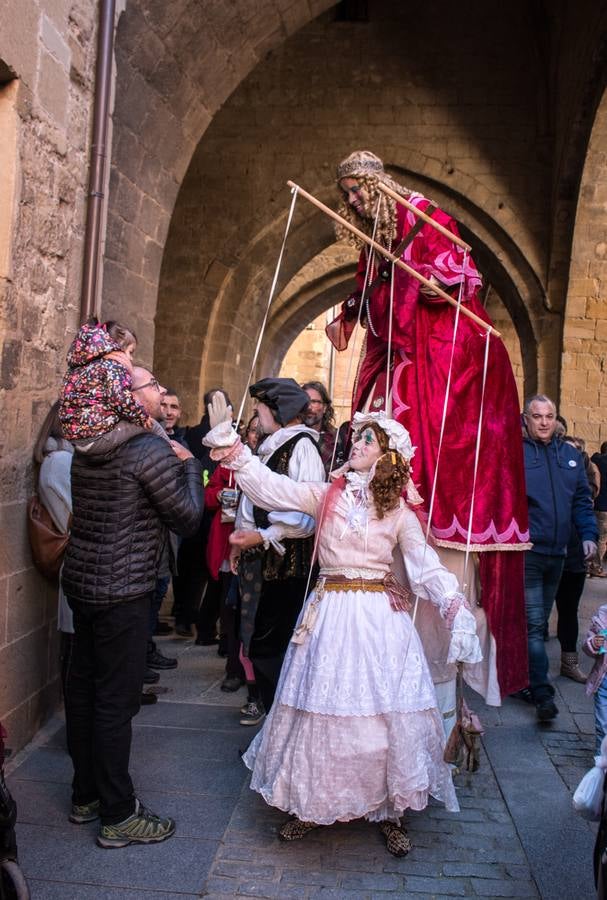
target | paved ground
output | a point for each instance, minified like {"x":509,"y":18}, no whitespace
{"x":516,"y":834}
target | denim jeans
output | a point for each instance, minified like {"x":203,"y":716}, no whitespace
{"x":600,"y":714}
{"x":162,"y":586}
{"x":542,"y":576}
{"x":103,"y":679}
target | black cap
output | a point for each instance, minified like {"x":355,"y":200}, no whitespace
{"x":282,"y":395}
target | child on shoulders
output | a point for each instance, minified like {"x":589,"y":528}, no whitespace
{"x":97,"y":407}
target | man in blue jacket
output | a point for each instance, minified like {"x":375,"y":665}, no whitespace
{"x":557,"y":492}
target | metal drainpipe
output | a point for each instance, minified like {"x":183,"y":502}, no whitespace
{"x":103,"y":83}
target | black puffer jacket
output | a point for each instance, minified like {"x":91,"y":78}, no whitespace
{"x":122,"y":507}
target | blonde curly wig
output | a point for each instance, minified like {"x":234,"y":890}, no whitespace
{"x":368,"y":170}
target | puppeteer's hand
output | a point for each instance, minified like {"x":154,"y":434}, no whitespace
{"x":234,"y":557}
{"x":245,"y":539}
{"x":181,"y":452}
{"x":589,"y":548}
{"x":218,"y":409}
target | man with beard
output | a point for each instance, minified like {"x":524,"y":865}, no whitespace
{"x":320,"y":416}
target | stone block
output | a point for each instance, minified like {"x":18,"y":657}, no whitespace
{"x":23,"y":669}
{"x":14,"y":547}
{"x":27,"y":592}
{"x":19,"y":41}
{"x":10,"y":363}
{"x":54,"y":42}
{"x":53,"y":88}
{"x":596,"y":308}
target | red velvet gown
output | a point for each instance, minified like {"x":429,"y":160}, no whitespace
{"x":422,"y":336}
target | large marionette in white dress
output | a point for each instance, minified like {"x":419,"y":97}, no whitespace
{"x":355,"y":729}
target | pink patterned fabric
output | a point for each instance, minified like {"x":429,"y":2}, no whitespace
{"x":96,"y":392}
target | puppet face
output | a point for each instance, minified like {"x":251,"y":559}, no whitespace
{"x":365,"y":450}
{"x":357,"y":196}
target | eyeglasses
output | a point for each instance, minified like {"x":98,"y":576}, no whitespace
{"x":151,"y":383}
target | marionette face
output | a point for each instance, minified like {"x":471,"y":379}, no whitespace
{"x":541,"y":420}
{"x":365,"y":450}
{"x":357,"y":196}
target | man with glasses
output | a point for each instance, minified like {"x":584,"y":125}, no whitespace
{"x":320,"y":416}
{"x":124,"y":502}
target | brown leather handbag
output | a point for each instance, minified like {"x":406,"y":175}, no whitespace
{"x":47,"y":543}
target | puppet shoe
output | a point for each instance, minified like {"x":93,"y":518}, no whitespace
{"x":295,"y":829}
{"x":397,"y":839}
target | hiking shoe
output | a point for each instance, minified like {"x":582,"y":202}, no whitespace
{"x":253,"y":713}
{"x":84,"y":812}
{"x":142,"y":827}
{"x":157,"y":660}
{"x":546,"y":709}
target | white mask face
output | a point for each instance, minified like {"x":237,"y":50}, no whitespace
{"x":365,"y":450}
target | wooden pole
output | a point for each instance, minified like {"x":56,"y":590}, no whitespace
{"x":397,"y":262}
{"x":422,"y":215}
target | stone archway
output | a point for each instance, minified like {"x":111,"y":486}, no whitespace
{"x":584,"y":380}
{"x":229,"y":217}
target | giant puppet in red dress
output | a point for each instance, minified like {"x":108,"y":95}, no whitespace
{"x":421,"y":345}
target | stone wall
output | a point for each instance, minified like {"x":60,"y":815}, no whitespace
{"x":584,"y":395}
{"x":47,"y":51}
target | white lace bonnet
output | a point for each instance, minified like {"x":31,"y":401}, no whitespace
{"x":398,"y":436}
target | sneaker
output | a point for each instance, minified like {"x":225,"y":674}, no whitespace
{"x":84,"y":812}
{"x":546,"y":709}
{"x":148,"y":699}
{"x":150,"y":677}
{"x":157,"y":660}
{"x":253,"y":713}
{"x":231,"y":683}
{"x":142,"y":827}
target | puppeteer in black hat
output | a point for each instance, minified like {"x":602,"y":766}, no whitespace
{"x":282,"y":395}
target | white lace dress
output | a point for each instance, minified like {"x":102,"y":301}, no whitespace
{"x":354,"y":730}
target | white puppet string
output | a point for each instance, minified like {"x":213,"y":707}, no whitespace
{"x":294,"y":192}
{"x":443,"y":423}
{"x":320,"y":519}
{"x":477,"y":454}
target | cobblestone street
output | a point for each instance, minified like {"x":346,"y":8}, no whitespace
{"x":516,"y":835}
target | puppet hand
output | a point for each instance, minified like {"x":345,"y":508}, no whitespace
{"x":464,"y":646}
{"x":222,"y":436}
{"x":351,"y":306}
{"x":218,"y":410}
{"x":427,"y":291}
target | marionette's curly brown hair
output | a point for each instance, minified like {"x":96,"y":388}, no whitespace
{"x":391,"y":475}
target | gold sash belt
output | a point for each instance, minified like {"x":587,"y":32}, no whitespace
{"x":355,"y":584}
{"x":400,"y":598}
